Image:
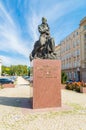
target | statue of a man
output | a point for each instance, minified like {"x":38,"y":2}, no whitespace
{"x":44,"y":31}
{"x":44,"y":48}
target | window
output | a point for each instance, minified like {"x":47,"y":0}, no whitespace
{"x":78,"y":52}
{"x":74,"y":75}
{"x":78,"y":42}
{"x":84,"y":26}
{"x":85,"y":36}
{"x":77,"y":33}
{"x":74,"y":44}
{"x":85,"y":46}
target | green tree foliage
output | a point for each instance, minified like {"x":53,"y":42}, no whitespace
{"x":63,"y":77}
{"x":5,"y":70}
{"x":15,"y":70}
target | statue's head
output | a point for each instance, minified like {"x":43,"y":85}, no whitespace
{"x":44,"y":20}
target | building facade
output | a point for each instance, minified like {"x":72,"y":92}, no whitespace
{"x":58,"y":51}
{"x":73,"y":53}
{"x":0,"y":67}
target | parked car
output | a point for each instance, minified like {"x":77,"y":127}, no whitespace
{"x":5,"y":81}
{"x":26,"y":77}
{"x":13,"y":78}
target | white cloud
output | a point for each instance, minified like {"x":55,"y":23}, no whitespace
{"x":59,"y":9}
{"x":33,"y":26}
{"x":6,"y":60}
{"x":10,"y":34}
{"x":51,"y":12}
{"x":4,"y":13}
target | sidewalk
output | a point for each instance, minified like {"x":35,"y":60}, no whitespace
{"x":16,"y":112}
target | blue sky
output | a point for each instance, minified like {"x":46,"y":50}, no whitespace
{"x":19,"y":20}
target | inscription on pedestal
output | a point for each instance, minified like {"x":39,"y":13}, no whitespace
{"x":47,"y":71}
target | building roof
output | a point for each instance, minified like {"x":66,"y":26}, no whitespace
{"x":83,"y":20}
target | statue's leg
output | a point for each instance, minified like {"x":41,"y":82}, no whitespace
{"x":42,"y":40}
{"x":34,"y":51}
{"x":52,"y":44}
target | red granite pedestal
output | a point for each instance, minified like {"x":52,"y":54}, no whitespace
{"x":46,"y":83}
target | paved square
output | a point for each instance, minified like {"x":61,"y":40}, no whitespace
{"x":16,"y":114}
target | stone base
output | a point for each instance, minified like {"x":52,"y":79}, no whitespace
{"x":46,"y":83}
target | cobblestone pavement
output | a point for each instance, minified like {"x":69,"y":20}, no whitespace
{"x":16,"y":114}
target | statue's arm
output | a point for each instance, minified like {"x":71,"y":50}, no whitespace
{"x":40,"y":28}
{"x":43,"y":29}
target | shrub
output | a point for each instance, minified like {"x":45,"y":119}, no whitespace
{"x":70,"y":86}
{"x":77,"y":88}
{"x":63,"y":77}
{"x":74,"y":86}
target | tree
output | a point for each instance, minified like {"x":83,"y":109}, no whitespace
{"x":12,"y":70}
{"x":63,"y":77}
{"x":5,"y":70}
{"x":15,"y":70}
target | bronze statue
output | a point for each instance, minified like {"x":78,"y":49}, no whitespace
{"x":44,"y":48}
{"x":44,"y":31}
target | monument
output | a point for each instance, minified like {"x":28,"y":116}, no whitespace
{"x":46,"y":70}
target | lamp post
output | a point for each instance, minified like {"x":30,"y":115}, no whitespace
{"x":0,"y":67}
